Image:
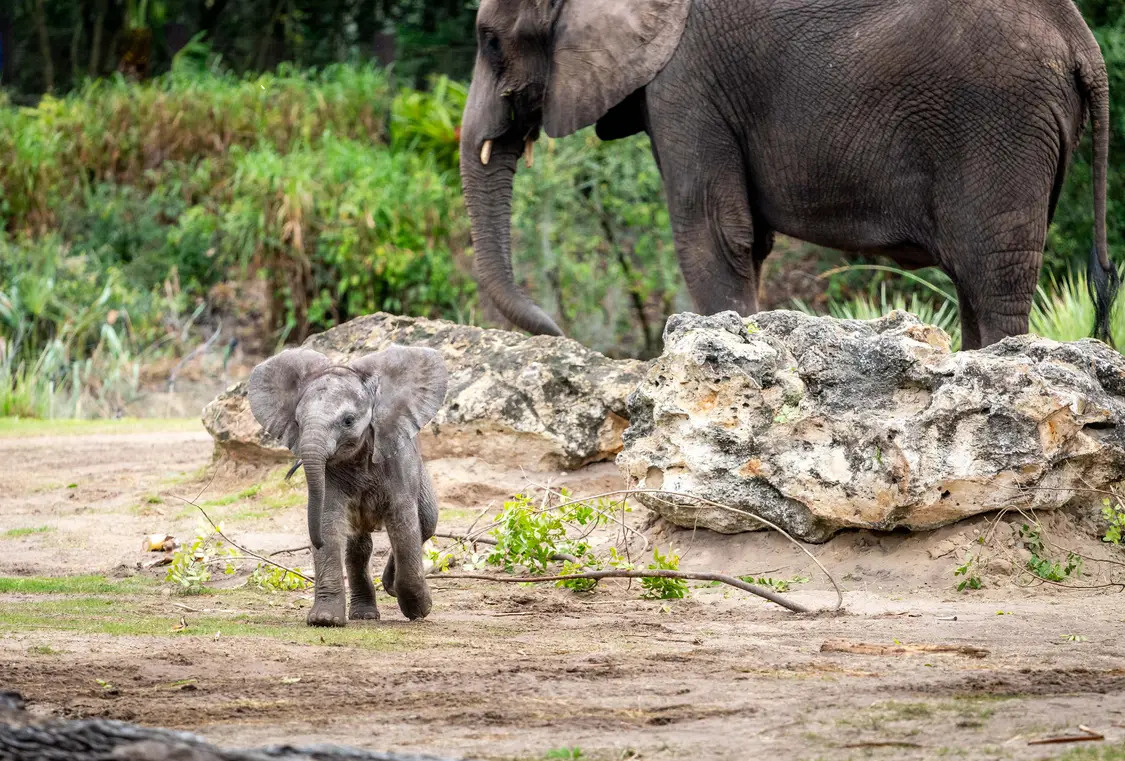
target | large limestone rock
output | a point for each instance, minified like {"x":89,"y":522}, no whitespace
{"x":820,"y":424}
{"x":536,"y":402}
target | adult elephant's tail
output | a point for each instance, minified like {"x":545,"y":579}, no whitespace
{"x":1103,"y":278}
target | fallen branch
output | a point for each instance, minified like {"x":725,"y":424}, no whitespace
{"x":1088,"y":736}
{"x":721,"y":506}
{"x":239,"y":547}
{"x":643,"y":574}
{"x":863,"y":648}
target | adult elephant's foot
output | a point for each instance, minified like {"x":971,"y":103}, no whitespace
{"x":327,"y":614}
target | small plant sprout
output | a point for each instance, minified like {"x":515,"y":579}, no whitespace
{"x":1044,"y":567}
{"x":660,"y":588}
{"x":190,"y":569}
{"x":1114,"y":513}
{"x":967,"y":569}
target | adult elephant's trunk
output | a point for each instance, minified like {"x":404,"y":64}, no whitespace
{"x":314,"y":450}
{"x":488,"y":166}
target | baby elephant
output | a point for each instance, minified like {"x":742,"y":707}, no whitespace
{"x":354,"y":428}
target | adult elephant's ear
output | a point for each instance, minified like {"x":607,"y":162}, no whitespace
{"x":408,"y":387}
{"x":603,"y":50}
{"x":275,"y":388}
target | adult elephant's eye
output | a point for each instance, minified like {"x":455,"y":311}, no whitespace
{"x":492,"y":48}
{"x":348,"y":421}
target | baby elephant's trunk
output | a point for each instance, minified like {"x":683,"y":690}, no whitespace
{"x":312,"y":458}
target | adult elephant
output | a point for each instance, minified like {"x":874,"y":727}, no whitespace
{"x":937,"y":132}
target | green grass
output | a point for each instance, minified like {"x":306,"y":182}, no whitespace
{"x":257,"y":501}
{"x":72,"y":585}
{"x":147,"y":617}
{"x":18,"y":428}
{"x":13,"y":533}
{"x":1095,"y":753}
{"x":44,"y":650}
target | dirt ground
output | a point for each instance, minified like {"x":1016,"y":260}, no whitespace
{"x":512,"y":672}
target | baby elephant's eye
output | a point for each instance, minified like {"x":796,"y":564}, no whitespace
{"x":348,"y":421}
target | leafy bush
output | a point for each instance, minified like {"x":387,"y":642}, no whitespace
{"x":344,"y":230}
{"x":113,"y":131}
{"x":67,"y":336}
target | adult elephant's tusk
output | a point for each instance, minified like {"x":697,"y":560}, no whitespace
{"x":486,"y":152}
{"x":529,"y":153}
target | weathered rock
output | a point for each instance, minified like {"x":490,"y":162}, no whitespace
{"x":820,"y":424}
{"x":528,"y":401}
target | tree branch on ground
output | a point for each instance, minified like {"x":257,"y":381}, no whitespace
{"x":638,"y":574}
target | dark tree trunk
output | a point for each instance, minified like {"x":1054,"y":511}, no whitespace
{"x":44,"y":46}
{"x":7,"y":48}
{"x":94,"y":67}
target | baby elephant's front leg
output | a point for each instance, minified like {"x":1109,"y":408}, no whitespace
{"x":410,"y":587}
{"x":328,"y":601}
{"x":362,"y":604}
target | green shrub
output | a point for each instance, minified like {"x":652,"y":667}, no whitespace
{"x":113,"y":131}
{"x":346,"y":229}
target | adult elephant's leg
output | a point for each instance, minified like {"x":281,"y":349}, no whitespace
{"x":358,"y":561}
{"x":970,"y":330}
{"x":1006,"y":297}
{"x":712,"y":223}
{"x":996,"y":273}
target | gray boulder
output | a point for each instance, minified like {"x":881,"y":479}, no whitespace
{"x":526,"y":401}
{"x":820,"y":424}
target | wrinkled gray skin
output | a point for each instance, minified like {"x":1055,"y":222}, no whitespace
{"x":934,"y":131}
{"x":354,"y":428}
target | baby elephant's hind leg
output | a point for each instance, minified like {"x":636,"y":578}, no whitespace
{"x":388,"y":577}
{"x":427,"y":519}
{"x":359,"y":579}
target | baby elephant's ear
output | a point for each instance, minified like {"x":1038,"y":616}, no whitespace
{"x":275,"y":388}
{"x":409,"y":388}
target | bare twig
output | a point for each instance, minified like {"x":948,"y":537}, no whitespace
{"x":290,"y":551}
{"x":239,"y":547}
{"x":469,"y":530}
{"x":641,"y":574}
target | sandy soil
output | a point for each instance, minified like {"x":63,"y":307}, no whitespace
{"x":509,"y":672}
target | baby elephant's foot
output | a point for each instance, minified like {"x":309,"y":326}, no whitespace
{"x":363,"y":611}
{"x":414,"y":604}
{"x":327,"y":614}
